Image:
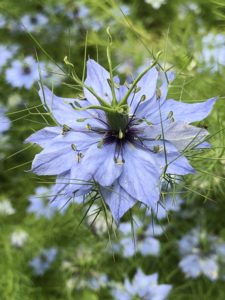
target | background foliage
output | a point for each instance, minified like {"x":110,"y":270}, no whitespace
{"x":139,"y":31}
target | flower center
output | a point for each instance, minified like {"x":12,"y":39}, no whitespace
{"x":26,"y":70}
{"x":118,"y":121}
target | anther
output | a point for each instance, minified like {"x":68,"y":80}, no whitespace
{"x":65,"y":129}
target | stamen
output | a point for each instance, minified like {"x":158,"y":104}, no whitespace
{"x":65,"y":129}
{"x":158,"y":137}
{"x":73,"y":146}
{"x":79,"y":156}
{"x":88,"y":126}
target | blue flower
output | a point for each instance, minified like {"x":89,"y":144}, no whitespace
{"x":34,"y":23}
{"x":41,"y":263}
{"x":143,"y":286}
{"x":145,"y":242}
{"x":124,"y":145}
{"x":39,"y":203}
{"x":24,"y":73}
{"x":213,"y":51}
{"x":202,"y":254}
{"x":4,"y":121}
{"x":7,"y":52}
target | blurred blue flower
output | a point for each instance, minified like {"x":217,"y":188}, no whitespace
{"x":98,"y":281}
{"x":41,"y":263}
{"x":34,"y":23}
{"x":7,"y":53}
{"x":24,"y":73}
{"x":213,"y":51}
{"x":201,"y":254}
{"x":135,"y":239}
{"x":39,"y":203}
{"x":4,"y":121}
{"x":124,"y":153}
{"x":171,"y":203}
{"x":143,"y":286}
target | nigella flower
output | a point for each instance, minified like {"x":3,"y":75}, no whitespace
{"x":119,"y":139}
{"x":34,"y":23}
{"x":143,"y":286}
{"x":7,"y":52}
{"x":42,"y":262}
{"x":40,"y":204}
{"x":4,"y":121}
{"x":202,"y":254}
{"x":213,"y":51}
{"x":134,"y":239}
{"x":24,"y":73}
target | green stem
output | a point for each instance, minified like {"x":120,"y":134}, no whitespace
{"x":112,"y":85}
{"x":124,"y":101}
{"x":100,"y":100}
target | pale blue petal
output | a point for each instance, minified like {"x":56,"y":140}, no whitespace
{"x":96,"y":79}
{"x":53,"y":162}
{"x":140,"y":176}
{"x":100,"y":165}
{"x":180,"y":112}
{"x":210,"y":267}
{"x":44,"y":136}
{"x":186,"y":112}
{"x":149,"y":246}
{"x":118,"y":200}
{"x":184,"y":136}
{"x":59,"y":107}
{"x":159,"y":292}
{"x":190,"y":265}
{"x":147,"y":86}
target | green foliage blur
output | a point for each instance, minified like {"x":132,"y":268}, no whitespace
{"x":177,"y":29}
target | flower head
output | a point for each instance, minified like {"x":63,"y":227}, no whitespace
{"x":143,"y":286}
{"x":39,"y":203}
{"x":7,"y":52}
{"x":34,"y":23}
{"x":135,"y":239}
{"x":201,"y":254}
{"x":23,"y":73}
{"x":119,"y":139}
{"x":41,"y":263}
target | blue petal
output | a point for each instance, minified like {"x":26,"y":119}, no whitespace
{"x":57,"y":158}
{"x":99,"y":164}
{"x":184,"y":136}
{"x":147,"y":86}
{"x":140,"y":176}
{"x":172,"y":159}
{"x":183,"y":112}
{"x":118,"y":200}
{"x":53,"y":162}
{"x":96,"y":79}
{"x":149,"y":246}
{"x":44,"y":136}
{"x":60,"y":107}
